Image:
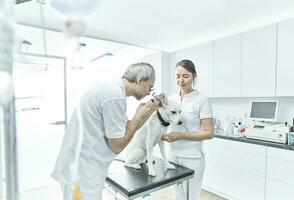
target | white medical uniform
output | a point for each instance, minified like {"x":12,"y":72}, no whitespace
{"x":103,"y":110}
{"x":195,"y":106}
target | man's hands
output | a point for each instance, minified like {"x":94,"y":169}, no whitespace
{"x":142,"y":113}
{"x":161,"y":98}
{"x":145,"y":110}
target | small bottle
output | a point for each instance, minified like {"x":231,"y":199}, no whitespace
{"x":227,"y":125}
{"x":236,"y":130}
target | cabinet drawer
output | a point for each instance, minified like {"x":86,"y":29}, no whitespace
{"x":280,"y":170}
{"x":276,"y":190}
{"x":281,"y":154}
{"x":243,"y":161}
{"x":237,"y":146}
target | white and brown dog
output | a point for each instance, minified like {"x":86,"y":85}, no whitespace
{"x":140,"y":148}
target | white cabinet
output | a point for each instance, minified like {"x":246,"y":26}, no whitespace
{"x":202,"y":57}
{"x":227,"y":67}
{"x":235,"y":170}
{"x":279,"y":174}
{"x":276,"y":190}
{"x":241,"y":65}
{"x":258,"y":62}
{"x":232,"y":183}
{"x":285,"y":59}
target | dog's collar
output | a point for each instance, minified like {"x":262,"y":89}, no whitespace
{"x":164,"y":123}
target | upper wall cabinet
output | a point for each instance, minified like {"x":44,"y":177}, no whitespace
{"x":227,"y":67}
{"x":202,"y":57}
{"x":285,"y":59}
{"x":258,"y":62}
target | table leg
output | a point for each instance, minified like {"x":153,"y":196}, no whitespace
{"x":187,"y":190}
{"x":115,"y":198}
{"x":113,"y":191}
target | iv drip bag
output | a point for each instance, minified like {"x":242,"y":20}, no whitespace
{"x":73,"y":12}
{"x":74,"y":9}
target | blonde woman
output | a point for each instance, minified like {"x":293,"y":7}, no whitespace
{"x":186,"y":140}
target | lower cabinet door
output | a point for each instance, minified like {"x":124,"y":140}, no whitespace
{"x":233,"y":183}
{"x":276,"y":190}
{"x":280,"y":174}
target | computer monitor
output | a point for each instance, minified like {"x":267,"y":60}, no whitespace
{"x":264,"y":110}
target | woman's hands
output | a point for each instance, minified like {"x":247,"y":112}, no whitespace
{"x":171,"y":137}
{"x":205,"y":133}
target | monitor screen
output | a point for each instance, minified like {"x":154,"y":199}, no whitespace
{"x":264,"y":110}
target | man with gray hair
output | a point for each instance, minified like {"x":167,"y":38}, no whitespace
{"x":106,"y":130}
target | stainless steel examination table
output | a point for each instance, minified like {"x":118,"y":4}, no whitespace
{"x":127,"y":183}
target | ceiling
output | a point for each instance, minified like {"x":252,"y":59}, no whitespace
{"x":166,"y":25}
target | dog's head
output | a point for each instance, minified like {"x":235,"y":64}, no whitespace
{"x":171,"y":112}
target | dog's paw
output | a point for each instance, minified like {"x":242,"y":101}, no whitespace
{"x":134,"y":166}
{"x":152,"y":173}
{"x":169,"y":166}
{"x":137,"y":166}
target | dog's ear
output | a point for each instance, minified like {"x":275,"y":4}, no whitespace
{"x":164,"y":101}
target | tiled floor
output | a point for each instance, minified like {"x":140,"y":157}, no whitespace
{"x":166,"y":194}
{"x":46,"y":193}
{"x":54,"y":193}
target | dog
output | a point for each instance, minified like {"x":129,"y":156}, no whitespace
{"x":140,"y":148}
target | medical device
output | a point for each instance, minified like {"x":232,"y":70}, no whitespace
{"x":264,"y":126}
{"x":268,"y":132}
{"x":153,"y":98}
{"x":264,"y":110}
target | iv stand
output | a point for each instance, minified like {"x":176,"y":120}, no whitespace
{"x":7,"y":105}
{"x":10,"y":152}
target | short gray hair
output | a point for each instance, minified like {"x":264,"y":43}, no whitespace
{"x":139,"y":72}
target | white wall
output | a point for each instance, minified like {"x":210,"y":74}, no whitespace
{"x":102,"y":70}
{"x":160,"y":62}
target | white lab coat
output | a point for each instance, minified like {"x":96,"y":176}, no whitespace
{"x":195,"y":106}
{"x":103,"y":110}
